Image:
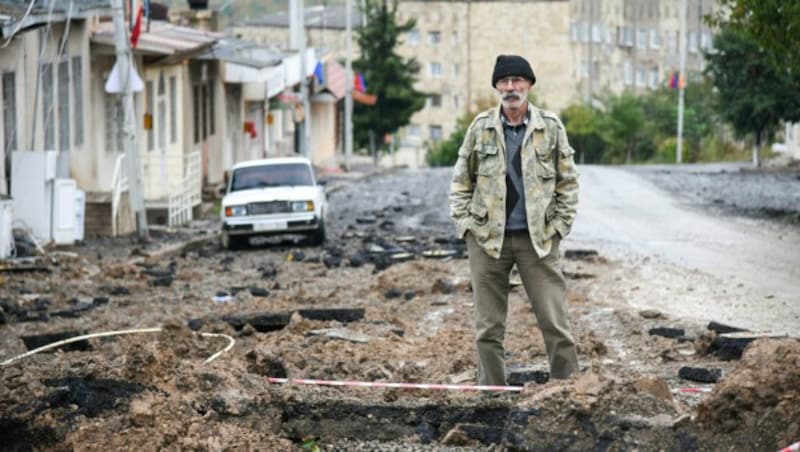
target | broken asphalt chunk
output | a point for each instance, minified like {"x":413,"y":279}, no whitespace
{"x":341,"y":333}
{"x":259,"y":292}
{"x":672,"y":333}
{"x":720,"y":328}
{"x":700,"y":374}
{"x":35,"y":341}
{"x":262,"y":322}
{"x":393,"y":293}
{"x":520,"y":376}
{"x":580,"y":254}
{"x":343,"y":315}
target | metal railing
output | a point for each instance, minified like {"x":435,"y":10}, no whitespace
{"x":187,"y":193}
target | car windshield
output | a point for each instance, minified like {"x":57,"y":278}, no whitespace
{"x":271,"y":176}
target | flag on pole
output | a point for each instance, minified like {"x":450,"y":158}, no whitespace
{"x":137,"y":27}
{"x":676,"y":81}
{"x":359,"y":84}
{"x":318,"y":73}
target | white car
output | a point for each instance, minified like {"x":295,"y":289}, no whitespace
{"x":272,"y":196}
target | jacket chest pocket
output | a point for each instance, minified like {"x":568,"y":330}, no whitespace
{"x":545,"y":161}
{"x":490,"y":162}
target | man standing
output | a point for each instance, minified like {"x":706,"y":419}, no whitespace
{"x":513,"y":197}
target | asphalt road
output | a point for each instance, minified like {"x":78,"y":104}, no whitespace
{"x":623,"y":214}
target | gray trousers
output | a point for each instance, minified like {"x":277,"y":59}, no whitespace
{"x":546,"y":289}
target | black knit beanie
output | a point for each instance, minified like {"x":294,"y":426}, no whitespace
{"x":507,"y":65}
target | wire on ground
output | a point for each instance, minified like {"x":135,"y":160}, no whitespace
{"x":70,"y":340}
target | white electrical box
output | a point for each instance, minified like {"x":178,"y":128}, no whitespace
{"x":6,"y":232}
{"x":64,"y":211}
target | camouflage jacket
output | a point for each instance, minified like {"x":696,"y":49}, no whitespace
{"x":550,"y":181}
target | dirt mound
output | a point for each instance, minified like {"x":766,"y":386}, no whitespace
{"x":762,"y":394}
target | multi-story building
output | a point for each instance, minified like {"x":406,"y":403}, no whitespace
{"x":634,"y":44}
{"x":456,"y":43}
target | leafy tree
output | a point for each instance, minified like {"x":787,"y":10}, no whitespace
{"x":584,"y":125}
{"x":388,"y":75}
{"x":625,"y":126}
{"x":773,"y":24}
{"x":755,"y":94}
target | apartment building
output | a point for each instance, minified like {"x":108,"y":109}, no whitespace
{"x":634,"y":44}
{"x":456,"y":43}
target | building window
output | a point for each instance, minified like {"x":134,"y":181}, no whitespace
{"x":455,"y":69}
{"x":641,"y":39}
{"x":584,"y":68}
{"x":77,"y":101}
{"x":412,"y":37}
{"x":672,"y":42}
{"x":625,"y":36}
{"x":705,"y":40}
{"x":63,"y":105}
{"x":211,"y":109}
{"x":434,"y":37}
{"x":204,"y":110}
{"x":455,"y":101}
{"x":435,"y":100}
{"x":149,"y":109}
{"x":597,"y":33}
{"x":693,"y":41}
{"x":641,"y":77}
{"x":173,"y":110}
{"x":412,"y":132}
{"x":655,"y":39}
{"x":436,"y":133}
{"x":654,"y":77}
{"x":455,"y":38}
{"x":112,"y":103}
{"x":48,"y":103}
{"x":573,"y":32}
{"x":9,"y":112}
{"x":627,"y":73}
{"x":435,"y":69}
{"x":196,"y":112}
{"x":162,"y":113}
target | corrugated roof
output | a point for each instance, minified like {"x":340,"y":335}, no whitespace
{"x":242,"y":52}
{"x":163,"y":38}
{"x":332,"y":16}
{"x":13,"y":17}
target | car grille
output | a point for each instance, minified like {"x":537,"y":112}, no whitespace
{"x":263,"y":208}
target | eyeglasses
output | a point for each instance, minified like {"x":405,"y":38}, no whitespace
{"x":515,"y":80}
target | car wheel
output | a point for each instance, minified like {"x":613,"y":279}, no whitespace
{"x":318,"y":236}
{"x":230,"y":242}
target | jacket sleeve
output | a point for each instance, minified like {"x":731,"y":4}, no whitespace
{"x":566,"y":185}
{"x":463,"y":183}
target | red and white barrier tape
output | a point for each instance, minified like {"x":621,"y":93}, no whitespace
{"x":693,"y":390}
{"x":380,"y":384}
{"x":791,"y":448}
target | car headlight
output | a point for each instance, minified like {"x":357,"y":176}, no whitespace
{"x":302,"y":206}
{"x":235,"y":211}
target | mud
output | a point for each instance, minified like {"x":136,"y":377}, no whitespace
{"x":338,"y":322}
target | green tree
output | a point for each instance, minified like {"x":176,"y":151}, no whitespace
{"x":584,"y":129}
{"x":388,"y":75}
{"x":755,"y":94}
{"x":625,"y":126}
{"x":773,"y":24}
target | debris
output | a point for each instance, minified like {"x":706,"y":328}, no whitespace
{"x":672,"y":333}
{"x":439,"y":253}
{"x":35,"y":341}
{"x":341,"y":333}
{"x":259,"y":292}
{"x":405,"y":239}
{"x":368,"y":219}
{"x":651,"y":314}
{"x":700,"y":374}
{"x":722,"y":328}
{"x":262,"y":322}
{"x":730,"y":346}
{"x":443,"y":287}
{"x":409,"y":294}
{"x":580,"y":254}
{"x":393,"y":293}
{"x":522,"y":375}
{"x":222,"y":297}
{"x":401,"y":257}
{"x":343,"y":315}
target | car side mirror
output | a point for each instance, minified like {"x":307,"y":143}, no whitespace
{"x":322,"y":182}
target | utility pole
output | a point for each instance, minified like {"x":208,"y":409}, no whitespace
{"x":124,"y":66}
{"x":348,"y":96}
{"x":682,"y":70}
{"x":297,"y":41}
{"x":590,"y":67}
